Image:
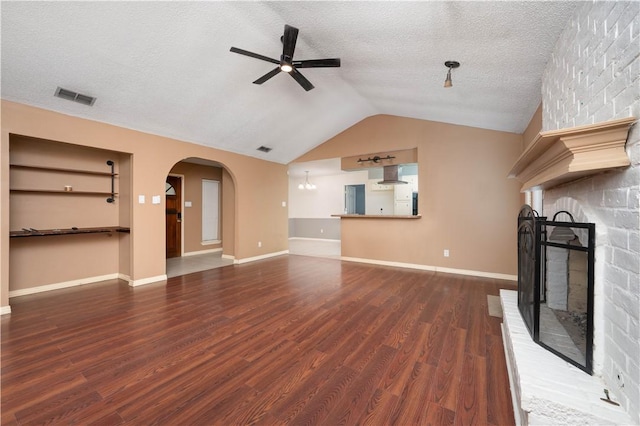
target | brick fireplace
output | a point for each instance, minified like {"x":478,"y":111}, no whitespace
{"x":593,"y":77}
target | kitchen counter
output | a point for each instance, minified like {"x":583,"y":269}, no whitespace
{"x":375,"y":216}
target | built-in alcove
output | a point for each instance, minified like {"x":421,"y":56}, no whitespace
{"x":69,"y":213}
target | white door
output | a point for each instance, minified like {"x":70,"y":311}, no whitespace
{"x":210,"y":210}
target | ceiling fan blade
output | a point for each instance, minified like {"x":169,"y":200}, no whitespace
{"x":253,"y":55}
{"x":317,"y":63}
{"x":267,"y":76}
{"x":302,"y":81}
{"x":289,"y":42}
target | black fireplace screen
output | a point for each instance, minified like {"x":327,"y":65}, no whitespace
{"x":555,"y":284}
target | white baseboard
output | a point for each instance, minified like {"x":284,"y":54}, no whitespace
{"x":228,"y":257}
{"x":65,"y":284}
{"x":199,"y":252}
{"x":314,"y":239}
{"x":124,"y":277}
{"x":482,"y":274}
{"x":433,"y":268}
{"x":263,"y":256}
{"x":4,"y":310}
{"x":387,"y":263}
{"x":150,"y":280}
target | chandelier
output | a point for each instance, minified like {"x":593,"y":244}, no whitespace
{"x":306,"y":184}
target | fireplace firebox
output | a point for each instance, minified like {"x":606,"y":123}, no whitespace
{"x":555,"y":284}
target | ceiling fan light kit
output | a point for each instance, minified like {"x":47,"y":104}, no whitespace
{"x":450,"y":65}
{"x":286,"y":62}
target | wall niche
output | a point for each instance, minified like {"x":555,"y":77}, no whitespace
{"x":69,"y":214}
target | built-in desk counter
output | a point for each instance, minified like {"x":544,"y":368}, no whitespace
{"x":375,"y":216}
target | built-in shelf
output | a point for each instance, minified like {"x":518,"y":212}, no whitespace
{"x":60,"y":169}
{"x":58,"y":191}
{"x":70,"y":231}
{"x":559,"y":156}
{"x":68,"y":190}
{"x":375,"y":216}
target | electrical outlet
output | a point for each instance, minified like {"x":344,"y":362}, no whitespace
{"x":446,"y":252}
{"x":259,"y":243}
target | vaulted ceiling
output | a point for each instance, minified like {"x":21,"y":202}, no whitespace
{"x":165,"y":67}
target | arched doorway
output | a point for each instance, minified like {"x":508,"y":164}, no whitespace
{"x":200,"y":216}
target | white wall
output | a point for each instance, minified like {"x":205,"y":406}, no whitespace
{"x":326,"y":199}
{"x":594,"y":76}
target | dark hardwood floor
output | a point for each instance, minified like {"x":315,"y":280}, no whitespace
{"x":291,"y":340}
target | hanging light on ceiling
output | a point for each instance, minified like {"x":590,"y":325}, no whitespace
{"x":306,"y":184}
{"x":450,"y":65}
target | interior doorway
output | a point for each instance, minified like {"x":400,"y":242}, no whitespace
{"x":354,"y":199}
{"x":173,"y":194}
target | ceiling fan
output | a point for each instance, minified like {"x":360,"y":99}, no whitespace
{"x":286,"y":62}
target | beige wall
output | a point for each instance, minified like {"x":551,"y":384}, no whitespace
{"x":193,"y":174}
{"x":228,"y":216}
{"x":468,"y":205}
{"x":260,"y":186}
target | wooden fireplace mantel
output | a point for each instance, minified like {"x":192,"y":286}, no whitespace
{"x":558,"y":156}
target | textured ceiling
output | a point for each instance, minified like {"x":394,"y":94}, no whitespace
{"x":165,"y":67}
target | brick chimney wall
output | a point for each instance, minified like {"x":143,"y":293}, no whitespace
{"x":594,"y":76}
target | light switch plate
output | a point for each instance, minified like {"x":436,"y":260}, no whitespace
{"x":187,"y":203}
{"x":155,"y":199}
{"x":141,"y":199}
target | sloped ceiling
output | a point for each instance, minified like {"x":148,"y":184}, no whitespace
{"x":165,"y":67}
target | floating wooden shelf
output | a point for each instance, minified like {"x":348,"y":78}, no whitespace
{"x":52,"y":232}
{"x":63,"y":170}
{"x":111,"y":194}
{"x":560,"y":156}
{"x":58,"y":191}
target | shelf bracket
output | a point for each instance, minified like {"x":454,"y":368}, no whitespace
{"x":112,"y":198}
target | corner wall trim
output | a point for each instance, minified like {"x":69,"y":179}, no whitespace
{"x":199,"y":252}
{"x":4,"y":310}
{"x":433,"y":268}
{"x":150,"y":280}
{"x":65,"y":284}
{"x":263,"y":256}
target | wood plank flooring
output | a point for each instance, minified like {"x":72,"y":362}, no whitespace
{"x":290,"y":340}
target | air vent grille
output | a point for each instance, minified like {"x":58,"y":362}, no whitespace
{"x":264,"y":149}
{"x":70,"y":95}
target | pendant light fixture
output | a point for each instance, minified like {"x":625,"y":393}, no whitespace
{"x":450,"y":65}
{"x":306,"y":184}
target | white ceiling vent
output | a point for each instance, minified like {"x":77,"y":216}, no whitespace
{"x":73,"y":96}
